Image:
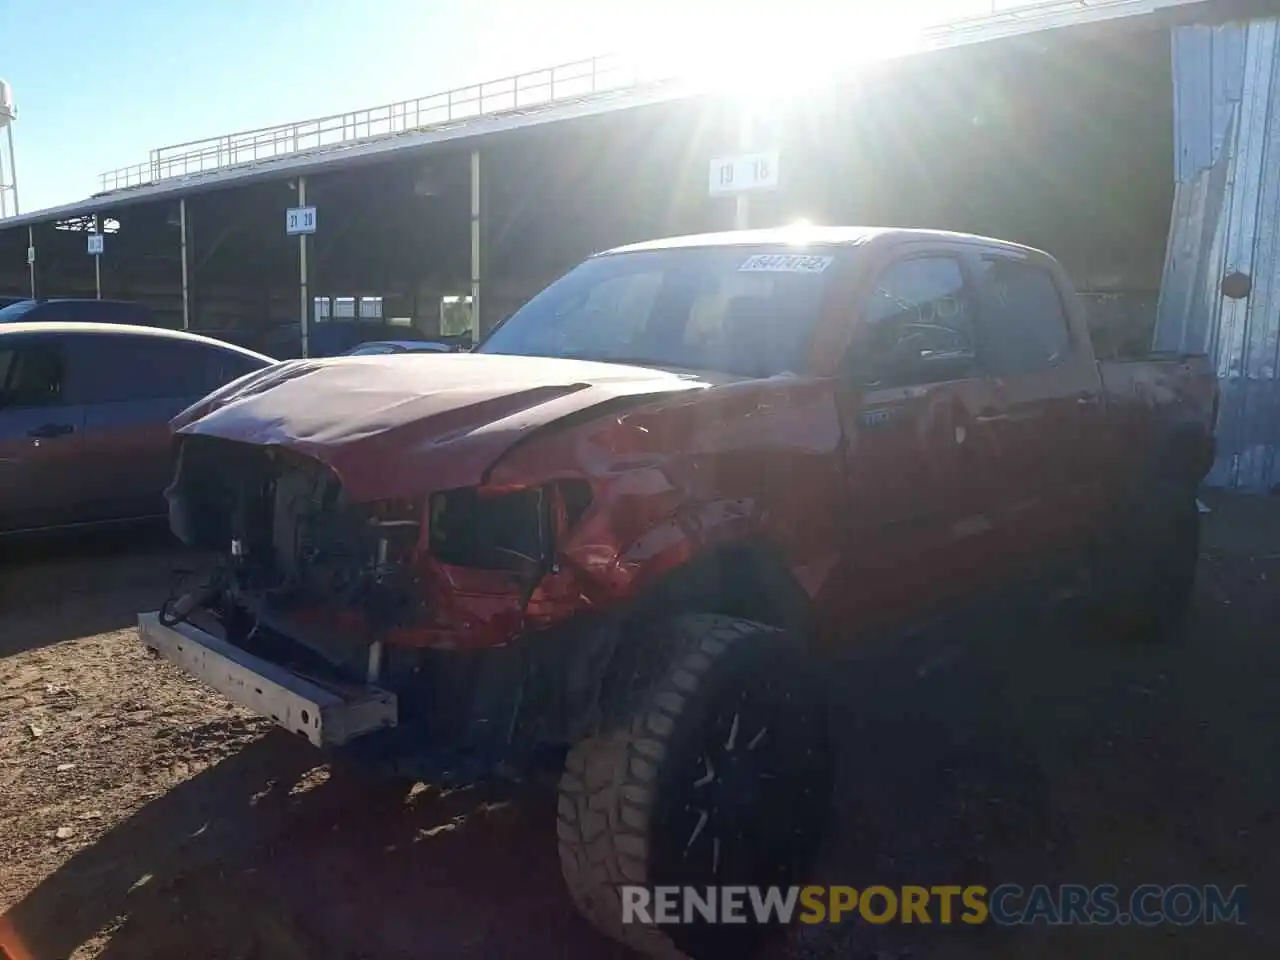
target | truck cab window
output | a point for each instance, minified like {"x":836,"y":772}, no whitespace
{"x":916,"y":327}
{"x":30,"y":376}
{"x":1024,"y":320}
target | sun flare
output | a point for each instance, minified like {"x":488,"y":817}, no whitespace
{"x":768,"y":60}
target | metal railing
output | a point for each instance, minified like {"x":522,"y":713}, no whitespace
{"x":562,"y":82}
{"x":536,"y":88}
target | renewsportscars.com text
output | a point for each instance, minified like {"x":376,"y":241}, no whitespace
{"x":1005,"y":905}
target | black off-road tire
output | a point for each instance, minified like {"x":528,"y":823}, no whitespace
{"x":1145,"y":576}
{"x":627,"y":796}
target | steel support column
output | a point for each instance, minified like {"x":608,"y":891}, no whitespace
{"x":97,"y":259}
{"x":742,"y":207}
{"x":305,"y":313}
{"x":31,"y":261}
{"x":186,"y":287}
{"x":475,"y":246}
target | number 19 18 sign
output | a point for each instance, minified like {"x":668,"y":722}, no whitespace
{"x":744,"y":173}
{"x":299,"y":220}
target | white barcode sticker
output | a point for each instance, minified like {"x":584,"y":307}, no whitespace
{"x":785,"y":263}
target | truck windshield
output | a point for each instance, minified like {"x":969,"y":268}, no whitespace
{"x":738,"y":310}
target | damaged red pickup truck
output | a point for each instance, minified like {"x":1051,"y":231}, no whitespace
{"x":631,"y":523}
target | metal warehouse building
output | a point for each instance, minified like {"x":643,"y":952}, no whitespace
{"x":1137,"y":140}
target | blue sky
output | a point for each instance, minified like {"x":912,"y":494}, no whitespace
{"x":98,"y":83}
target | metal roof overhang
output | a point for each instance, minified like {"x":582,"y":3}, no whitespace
{"x":348,"y":155}
{"x":1014,"y":22}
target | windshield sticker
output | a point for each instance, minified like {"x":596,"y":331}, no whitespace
{"x":785,"y":263}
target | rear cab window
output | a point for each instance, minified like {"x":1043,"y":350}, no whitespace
{"x":1024,"y":317}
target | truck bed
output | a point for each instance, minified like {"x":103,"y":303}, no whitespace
{"x":1162,"y":377}
{"x":1160,"y":399}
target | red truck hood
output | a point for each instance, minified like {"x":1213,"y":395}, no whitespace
{"x":395,"y":426}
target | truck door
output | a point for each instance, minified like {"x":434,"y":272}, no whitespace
{"x":42,"y":480}
{"x":918,"y":461}
{"x":1046,"y":418}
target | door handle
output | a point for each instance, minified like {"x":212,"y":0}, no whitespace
{"x":47,"y":431}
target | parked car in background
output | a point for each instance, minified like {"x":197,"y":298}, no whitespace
{"x":246,"y":339}
{"x":332,"y":337}
{"x":460,"y":342}
{"x":78,"y":311}
{"x":84,"y":413}
{"x":375,"y":347}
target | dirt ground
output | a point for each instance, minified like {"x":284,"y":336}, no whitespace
{"x":142,"y":817}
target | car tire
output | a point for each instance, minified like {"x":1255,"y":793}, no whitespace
{"x":721,"y":776}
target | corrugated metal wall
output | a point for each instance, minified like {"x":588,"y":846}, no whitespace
{"x":1226,"y":218}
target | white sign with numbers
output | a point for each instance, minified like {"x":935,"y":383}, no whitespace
{"x":744,"y":173}
{"x":95,"y":245}
{"x":299,"y":220}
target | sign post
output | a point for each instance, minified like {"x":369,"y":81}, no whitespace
{"x":300,"y":221}
{"x":31,"y":258}
{"x":746,"y":142}
{"x":186,"y":285}
{"x":475,"y":247}
{"x":96,"y":246}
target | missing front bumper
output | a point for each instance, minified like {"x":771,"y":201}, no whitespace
{"x":326,"y":714}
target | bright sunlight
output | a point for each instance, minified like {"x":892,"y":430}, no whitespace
{"x":768,"y":54}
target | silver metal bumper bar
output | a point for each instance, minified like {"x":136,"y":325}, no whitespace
{"x":327,"y":715}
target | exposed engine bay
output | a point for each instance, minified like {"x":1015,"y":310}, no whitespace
{"x":290,"y":538}
{"x":319,"y":585}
